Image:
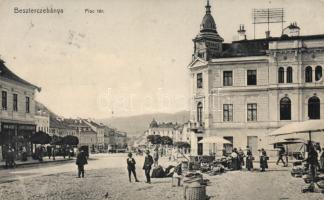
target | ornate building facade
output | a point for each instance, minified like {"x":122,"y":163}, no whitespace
{"x":243,"y":90}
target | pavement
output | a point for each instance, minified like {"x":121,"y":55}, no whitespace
{"x":31,"y":161}
{"x":106,"y":178}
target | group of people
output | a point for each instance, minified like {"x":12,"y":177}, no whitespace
{"x":237,"y":159}
{"x":147,"y":166}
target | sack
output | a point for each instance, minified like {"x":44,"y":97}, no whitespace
{"x":158,"y":172}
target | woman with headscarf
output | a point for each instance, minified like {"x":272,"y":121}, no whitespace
{"x":263,"y":160}
{"x":235,"y":160}
{"x":249,"y":160}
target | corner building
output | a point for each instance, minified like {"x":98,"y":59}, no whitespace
{"x":243,"y":90}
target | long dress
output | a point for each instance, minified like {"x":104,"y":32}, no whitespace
{"x":263,"y":161}
{"x":249,"y":161}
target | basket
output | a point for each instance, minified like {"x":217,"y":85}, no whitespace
{"x":195,"y":191}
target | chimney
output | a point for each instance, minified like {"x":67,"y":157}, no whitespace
{"x":267,"y":34}
{"x":241,"y":33}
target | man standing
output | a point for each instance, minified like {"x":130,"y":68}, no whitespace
{"x":147,"y":166}
{"x":156,"y":157}
{"x":81,"y":161}
{"x":281,"y":155}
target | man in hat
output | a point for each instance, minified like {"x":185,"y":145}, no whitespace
{"x":148,"y":162}
{"x":80,"y":162}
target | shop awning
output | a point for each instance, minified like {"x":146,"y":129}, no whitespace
{"x":214,"y":140}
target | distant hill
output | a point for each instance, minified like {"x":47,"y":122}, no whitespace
{"x":136,"y":125}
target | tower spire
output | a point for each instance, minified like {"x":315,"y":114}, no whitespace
{"x":208,"y":8}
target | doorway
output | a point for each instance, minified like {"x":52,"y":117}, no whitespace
{"x":252,"y":142}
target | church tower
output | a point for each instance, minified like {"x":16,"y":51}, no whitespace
{"x":207,"y":44}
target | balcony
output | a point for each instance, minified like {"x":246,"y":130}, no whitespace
{"x":198,"y":127}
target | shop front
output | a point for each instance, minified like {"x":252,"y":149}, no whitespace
{"x":17,"y":136}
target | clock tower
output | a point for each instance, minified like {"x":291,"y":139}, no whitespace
{"x":208,"y":43}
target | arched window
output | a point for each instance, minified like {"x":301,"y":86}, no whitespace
{"x":281,"y":75}
{"x":285,"y":109}
{"x":289,"y":75}
{"x":199,"y":113}
{"x":308,"y":74}
{"x":314,"y":106}
{"x":318,"y":73}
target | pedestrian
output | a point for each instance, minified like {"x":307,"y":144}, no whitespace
{"x":322,"y":160}
{"x":24,"y":154}
{"x":10,"y":158}
{"x":148,"y":162}
{"x":235,"y":161}
{"x":281,"y":154}
{"x":49,"y":151}
{"x":131,"y":167}
{"x":263,"y":160}
{"x":249,"y":160}
{"x":80,"y":162}
{"x":40,"y":153}
{"x":156,"y":157}
{"x":53,"y":152}
{"x":241,"y":158}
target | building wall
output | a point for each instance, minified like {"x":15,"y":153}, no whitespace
{"x":266,"y":94}
{"x":15,"y":88}
{"x":42,"y":123}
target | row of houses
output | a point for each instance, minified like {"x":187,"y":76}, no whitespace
{"x":177,"y":132}
{"x":21,"y":116}
{"x":97,"y":136}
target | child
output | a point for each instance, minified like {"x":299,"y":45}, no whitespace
{"x":81,"y":161}
{"x":131,"y":167}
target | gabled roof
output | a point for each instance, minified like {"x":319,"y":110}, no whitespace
{"x":197,"y":63}
{"x":6,"y":73}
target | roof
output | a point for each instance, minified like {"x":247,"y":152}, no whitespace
{"x":167,"y":125}
{"x":96,"y":125}
{"x":258,"y":47}
{"x":8,"y":74}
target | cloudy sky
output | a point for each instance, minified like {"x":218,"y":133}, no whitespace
{"x":131,"y":59}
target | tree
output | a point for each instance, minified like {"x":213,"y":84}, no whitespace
{"x":166,"y":140}
{"x":182,"y":144}
{"x":154,"y":139}
{"x":40,"y":138}
{"x":70,"y":140}
{"x":57,"y":140}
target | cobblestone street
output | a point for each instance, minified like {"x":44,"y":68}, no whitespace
{"x":108,"y":180}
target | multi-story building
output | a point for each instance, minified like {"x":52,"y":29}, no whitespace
{"x":245,"y":89}
{"x":17,"y":112}
{"x":42,"y":118}
{"x":100,"y":130}
{"x":58,"y":126}
{"x":163,"y":129}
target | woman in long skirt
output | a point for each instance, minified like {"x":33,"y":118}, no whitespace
{"x":263,"y":160}
{"x":249,"y":160}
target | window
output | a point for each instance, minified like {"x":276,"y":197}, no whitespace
{"x":289,"y":75}
{"x":251,"y":77}
{"x":314,"y":106}
{"x":199,"y":113}
{"x":308,"y":74}
{"x":285,"y":109}
{"x":199,"y":80}
{"x":4,"y":100}
{"x":252,"y":112}
{"x":281,"y":75}
{"x":228,"y":112}
{"x":27,"y":104}
{"x":227,"y":78}
{"x":318,"y":73}
{"x":15,"y":102}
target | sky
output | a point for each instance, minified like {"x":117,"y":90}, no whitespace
{"x":130,"y":60}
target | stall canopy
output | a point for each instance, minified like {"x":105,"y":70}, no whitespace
{"x":309,"y":126}
{"x":214,"y":140}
